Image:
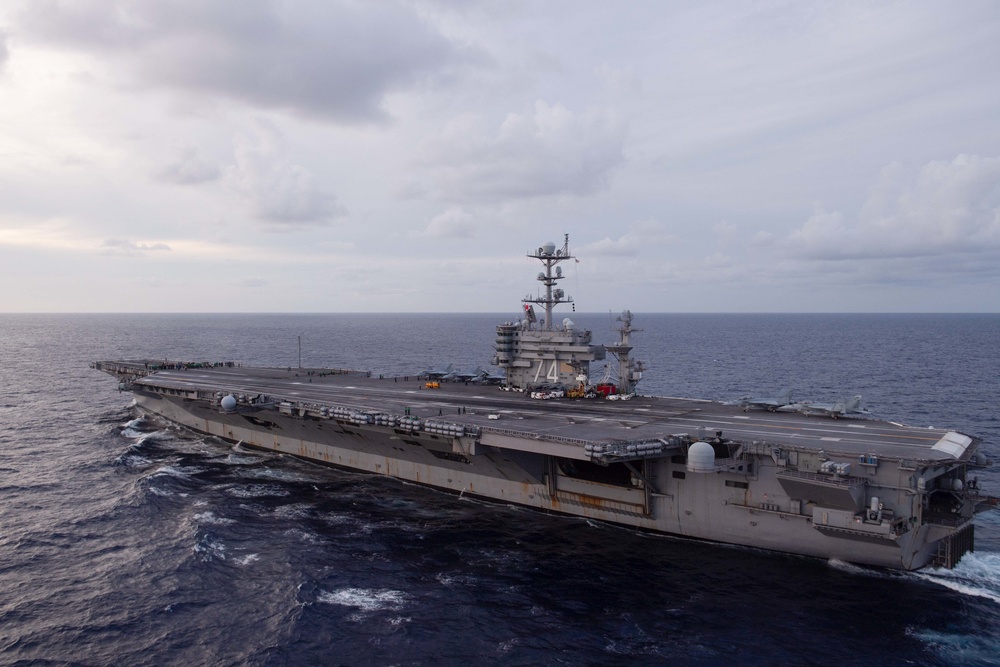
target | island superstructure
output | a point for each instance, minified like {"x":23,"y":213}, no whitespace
{"x":865,"y":491}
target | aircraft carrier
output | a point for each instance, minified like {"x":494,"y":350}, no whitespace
{"x":861,"y":490}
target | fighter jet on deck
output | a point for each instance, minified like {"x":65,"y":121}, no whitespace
{"x":435,"y":373}
{"x":468,"y":375}
{"x":845,"y":407}
{"x":770,"y":403}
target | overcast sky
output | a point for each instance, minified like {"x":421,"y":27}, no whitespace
{"x":274,"y":155}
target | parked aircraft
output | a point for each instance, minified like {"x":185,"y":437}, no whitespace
{"x":466,"y":375}
{"x":845,"y":407}
{"x":494,"y":378}
{"x":770,"y":403}
{"x":435,"y":373}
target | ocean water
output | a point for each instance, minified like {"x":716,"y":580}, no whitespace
{"x":125,"y":540}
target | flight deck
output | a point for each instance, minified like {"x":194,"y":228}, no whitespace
{"x":584,"y":420}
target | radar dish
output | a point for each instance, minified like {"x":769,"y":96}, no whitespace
{"x":701,"y":457}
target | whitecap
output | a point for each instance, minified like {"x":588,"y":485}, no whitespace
{"x":210,"y":548}
{"x":960,"y":649}
{"x":455,"y":579}
{"x":169,"y":471}
{"x":977,"y":574}
{"x":212,"y":519}
{"x":280,"y":475}
{"x":246,"y":560}
{"x":303,"y":535}
{"x":507,"y":646}
{"x":242,"y":459}
{"x":256,"y":491}
{"x":365,"y":599}
{"x":132,"y":460}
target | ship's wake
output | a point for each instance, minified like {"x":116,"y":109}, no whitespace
{"x":977,"y":574}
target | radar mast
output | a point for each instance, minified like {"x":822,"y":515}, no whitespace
{"x":549,"y":256}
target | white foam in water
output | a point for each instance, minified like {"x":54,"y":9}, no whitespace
{"x":977,"y":574}
{"x":256,"y":491}
{"x":246,"y":560}
{"x":210,"y":548}
{"x":242,"y":459}
{"x":960,"y":649}
{"x":850,"y":568}
{"x":132,"y":460}
{"x":169,"y":471}
{"x":294,"y":511}
{"x":211,"y":519}
{"x":364,"y":599}
{"x":277,"y":474}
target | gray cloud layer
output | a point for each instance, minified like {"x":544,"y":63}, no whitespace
{"x":949,"y":207}
{"x":277,"y":190}
{"x":550,"y":151}
{"x":332,"y":59}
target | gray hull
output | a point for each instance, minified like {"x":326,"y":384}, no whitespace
{"x":755,"y":499}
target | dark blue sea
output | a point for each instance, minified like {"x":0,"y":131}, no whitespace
{"x":127,"y":541}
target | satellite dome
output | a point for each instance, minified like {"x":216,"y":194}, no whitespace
{"x":548,"y":248}
{"x":229,"y":403}
{"x":701,"y":457}
{"x":568,"y":324}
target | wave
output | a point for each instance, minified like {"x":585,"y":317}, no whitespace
{"x":211,"y":519}
{"x":210,"y":548}
{"x":977,"y":574}
{"x":365,"y":599}
{"x":143,"y":437}
{"x":129,"y":459}
{"x":278,"y":474}
{"x":239,"y":459}
{"x":169,"y":471}
{"x":257,"y":491}
{"x":860,"y":570}
{"x":960,"y":648}
{"x":247,"y":559}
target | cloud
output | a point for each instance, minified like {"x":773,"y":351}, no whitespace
{"x":724,"y":231}
{"x":249,"y":282}
{"x":619,"y":80}
{"x":949,"y":208}
{"x":551,"y":151}
{"x":190,"y":168}
{"x":129,"y":248}
{"x":640,"y":235}
{"x":4,"y":51}
{"x":627,"y":245}
{"x":277,"y":190}
{"x":313,"y":58}
{"x":453,"y":223}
